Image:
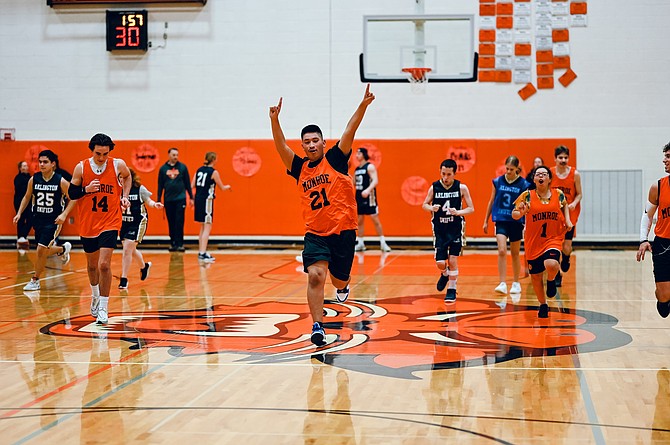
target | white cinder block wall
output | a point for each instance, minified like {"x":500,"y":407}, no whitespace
{"x":226,"y":62}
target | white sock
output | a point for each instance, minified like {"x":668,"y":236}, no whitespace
{"x":95,"y":290}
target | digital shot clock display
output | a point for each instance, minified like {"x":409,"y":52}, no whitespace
{"x":127,"y":30}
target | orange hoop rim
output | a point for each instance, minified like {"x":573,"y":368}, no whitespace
{"x":418,"y":74}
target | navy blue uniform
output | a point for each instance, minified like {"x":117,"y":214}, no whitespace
{"x":48,"y":202}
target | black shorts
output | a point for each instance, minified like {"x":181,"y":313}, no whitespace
{"x":537,"y":265}
{"x":337,"y":249}
{"x":513,"y":230}
{"x":132,"y":232}
{"x":105,"y":239}
{"x":447,"y":244}
{"x":570,"y":234}
{"x":660,"y":255}
{"x":46,"y":234}
{"x":367,"y":206}
{"x":204,"y":210}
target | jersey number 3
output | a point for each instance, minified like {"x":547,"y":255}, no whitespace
{"x":317,"y":197}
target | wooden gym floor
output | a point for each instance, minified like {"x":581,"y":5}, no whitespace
{"x":221,"y":354}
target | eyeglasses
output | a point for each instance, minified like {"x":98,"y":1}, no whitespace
{"x":541,"y":174}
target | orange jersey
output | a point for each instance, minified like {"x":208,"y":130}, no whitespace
{"x":663,"y":217}
{"x":545,"y":223}
{"x":100,"y":211}
{"x":328,"y":198}
{"x":568,"y":187}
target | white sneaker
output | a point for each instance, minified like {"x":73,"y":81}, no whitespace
{"x":502,"y":288}
{"x":516,"y":288}
{"x":342,"y":294}
{"x":385,"y":248}
{"x":102,"y":315}
{"x":95,"y":303}
{"x":65,"y":256}
{"x":33,"y":284}
{"x":22,"y":240}
{"x":359,"y":247}
{"x":298,"y":258}
{"x":515,"y":297}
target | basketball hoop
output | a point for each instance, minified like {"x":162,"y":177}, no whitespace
{"x":417,"y":79}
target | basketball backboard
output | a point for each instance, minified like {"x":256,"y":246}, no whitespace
{"x":443,"y":43}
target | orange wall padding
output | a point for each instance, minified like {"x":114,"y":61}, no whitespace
{"x":266,"y":202}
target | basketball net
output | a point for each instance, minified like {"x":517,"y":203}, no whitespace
{"x":417,"y":79}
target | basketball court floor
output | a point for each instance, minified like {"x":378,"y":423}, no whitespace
{"x":221,"y":354}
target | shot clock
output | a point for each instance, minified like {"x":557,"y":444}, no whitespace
{"x":127,"y":30}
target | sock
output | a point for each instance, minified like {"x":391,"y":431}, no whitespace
{"x":453,"y":278}
{"x":95,"y":290}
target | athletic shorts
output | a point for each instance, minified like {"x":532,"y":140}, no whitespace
{"x":660,"y":255}
{"x":570,"y":234}
{"x":46,"y":234}
{"x":132,"y":232}
{"x":513,"y":230}
{"x":204,"y":210}
{"x":367,"y":206}
{"x":337,"y":249}
{"x":537,"y":265}
{"x":446,"y":245}
{"x":105,"y":239}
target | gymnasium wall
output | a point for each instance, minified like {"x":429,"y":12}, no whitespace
{"x":264,"y":199}
{"x":224,"y":64}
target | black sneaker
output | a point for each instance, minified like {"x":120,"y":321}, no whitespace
{"x":543,"y":312}
{"x":565,"y":263}
{"x":551,"y":288}
{"x":123,"y":283}
{"x":144,"y":272}
{"x":442,"y":283}
{"x":663,"y":309}
{"x":558,"y":280}
{"x":450,"y":297}
{"x":318,"y":335}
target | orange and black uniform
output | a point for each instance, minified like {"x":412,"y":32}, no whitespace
{"x":327,"y":196}
{"x":568,"y":187}
{"x":100,"y":212}
{"x":660,"y":246}
{"x":545,"y":225}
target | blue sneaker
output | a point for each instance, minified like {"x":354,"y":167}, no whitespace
{"x":450,"y":297}
{"x":318,"y":335}
{"x":442,"y":283}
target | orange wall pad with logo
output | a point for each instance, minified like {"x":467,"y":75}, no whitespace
{"x":264,"y":199}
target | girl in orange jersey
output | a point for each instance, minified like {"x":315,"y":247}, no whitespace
{"x":658,"y":199}
{"x":547,"y":218}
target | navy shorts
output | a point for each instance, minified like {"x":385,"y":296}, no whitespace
{"x":46,"y":234}
{"x":447,"y":245}
{"x":513,"y":230}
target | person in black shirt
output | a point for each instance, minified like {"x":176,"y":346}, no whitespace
{"x":205,"y":181}
{"x":46,"y":190}
{"x":173,"y":178}
{"x":24,"y":224}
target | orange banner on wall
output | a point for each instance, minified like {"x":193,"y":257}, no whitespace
{"x":264,"y":200}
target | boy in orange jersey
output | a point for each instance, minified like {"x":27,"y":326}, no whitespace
{"x":659,"y":199}
{"x":547,"y":218}
{"x":567,"y":180}
{"x":329,"y":207}
{"x":101,"y":184}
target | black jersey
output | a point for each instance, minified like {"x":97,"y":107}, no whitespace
{"x":48,"y":200}
{"x":366,"y":206}
{"x":447,"y":198}
{"x":137,"y":211}
{"x":204,"y":184}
